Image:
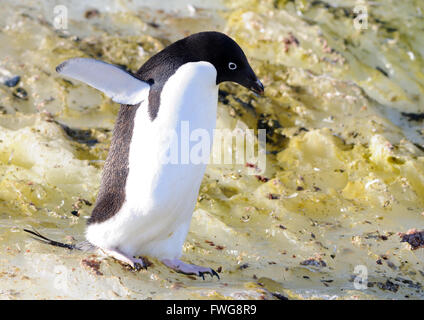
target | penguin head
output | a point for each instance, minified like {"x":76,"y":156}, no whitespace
{"x":216,"y":48}
{"x":225,"y":55}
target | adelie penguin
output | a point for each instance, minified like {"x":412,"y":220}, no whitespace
{"x":144,"y":205}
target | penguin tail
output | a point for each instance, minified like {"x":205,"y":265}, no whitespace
{"x":39,"y":237}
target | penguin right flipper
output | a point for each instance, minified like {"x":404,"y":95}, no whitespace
{"x":119,"y":85}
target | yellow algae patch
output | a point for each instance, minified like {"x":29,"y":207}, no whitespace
{"x":40,"y":165}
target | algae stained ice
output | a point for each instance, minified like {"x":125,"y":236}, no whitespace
{"x":345,"y":151}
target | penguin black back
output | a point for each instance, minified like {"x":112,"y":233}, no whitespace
{"x":111,"y":194}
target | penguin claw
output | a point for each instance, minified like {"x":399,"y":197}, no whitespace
{"x":138,"y":264}
{"x":212,"y":272}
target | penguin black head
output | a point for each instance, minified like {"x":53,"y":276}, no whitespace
{"x":226,"y":56}
{"x":216,"y":48}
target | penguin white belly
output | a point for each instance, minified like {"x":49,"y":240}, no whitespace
{"x":163,"y":182}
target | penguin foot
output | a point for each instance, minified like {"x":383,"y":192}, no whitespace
{"x":139,"y":264}
{"x":186,"y":268}
{"x":135,"y":263}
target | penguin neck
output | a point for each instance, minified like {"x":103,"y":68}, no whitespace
{"x":190,"y":94}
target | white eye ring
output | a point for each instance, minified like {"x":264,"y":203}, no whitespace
{"x":232,"y":66}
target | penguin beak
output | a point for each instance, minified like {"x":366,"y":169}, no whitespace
{"x":257,"y":87}
{"x":248,"y":79}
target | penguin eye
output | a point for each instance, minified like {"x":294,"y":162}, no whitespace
{"x":232,"y":66}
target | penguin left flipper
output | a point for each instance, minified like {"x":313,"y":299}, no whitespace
{"x":186,"y":268}
{"x":114,"y":82}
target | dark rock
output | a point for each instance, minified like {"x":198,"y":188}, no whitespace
{"x":20,"y":93}
{"x":12,"y":82}
{"x":414,"y":237}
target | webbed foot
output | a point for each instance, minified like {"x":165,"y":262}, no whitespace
{"x":186,"y":268}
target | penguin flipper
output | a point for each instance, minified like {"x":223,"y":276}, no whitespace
{"x":119,"y":85}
